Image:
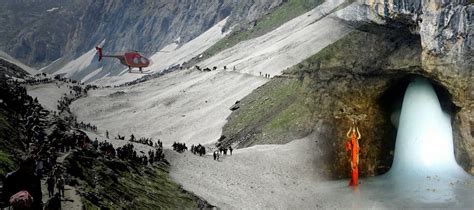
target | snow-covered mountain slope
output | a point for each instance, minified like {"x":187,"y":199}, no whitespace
{"x":88,"y":69}
{"x":187,"y":106}
{"x":289,"y":44}
{"x":38,"y":32}
{"x":12,"y":60}
{"x":192,"y":106}
{"x":170,"y":55}
{"x":81,"y":67}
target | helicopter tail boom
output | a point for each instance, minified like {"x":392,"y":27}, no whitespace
{"x":99,"y":50}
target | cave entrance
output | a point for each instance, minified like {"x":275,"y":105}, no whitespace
{"x":391,"y":103}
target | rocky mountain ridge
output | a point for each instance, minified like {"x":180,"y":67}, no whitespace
{"x":40,"y":32}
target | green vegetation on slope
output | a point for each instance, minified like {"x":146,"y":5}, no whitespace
{"x":269,"y":22}
{"x":271,"y":113}
{"x":346,"y":79}
{"x":6,"y":163}
{"x":7,"y":135}
{"x":116,"y":184}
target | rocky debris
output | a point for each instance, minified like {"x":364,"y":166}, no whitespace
{"x":116,"y":94}
{"x":235,"y":106}
{"x":222,"y":138}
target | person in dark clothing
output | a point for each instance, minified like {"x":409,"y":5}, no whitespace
{"x":24,"y":179}
{"x":230,"y":150}
{"x":50,"y":182}
{"x":54,"y":203}
{"x":60,"y":185}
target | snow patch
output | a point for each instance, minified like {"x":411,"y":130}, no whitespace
{"x":48,"y":94}
{"x":77,"y":64}
{"x":52,"y":9}
{"x":91,"y":75}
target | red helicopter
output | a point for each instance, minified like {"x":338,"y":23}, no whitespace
{"x":130,"y":59}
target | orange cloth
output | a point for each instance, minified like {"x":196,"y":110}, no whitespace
{"x":353,"y":145}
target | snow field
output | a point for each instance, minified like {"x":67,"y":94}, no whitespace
{"x":48,"y":94}
{"x":184,"y":106}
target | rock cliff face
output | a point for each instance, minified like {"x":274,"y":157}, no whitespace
{"x":41,"y":31}
{"x":363,"y":76}
{"x":445,"y":27}
{"x":446,"y":32}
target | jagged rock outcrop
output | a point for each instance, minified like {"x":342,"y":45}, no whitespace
{"x":445,"y":27}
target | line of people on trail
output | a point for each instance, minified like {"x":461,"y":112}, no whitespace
{"x":22,"y":188}
{"x":265,"y":75}
{"x":199,"y":149}
{"x":179,"y":147}
{"x":75,"y":92}
{"x":85,"y":126}
{"x":209,"y":69}
{"x":31,"y":81}
{"x":141,"y":140}
{"x":66,"y":100}
{"x":222,"y":151}
{"x":55,"y":180}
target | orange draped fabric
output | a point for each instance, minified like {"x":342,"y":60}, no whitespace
{"x":353,"y":145}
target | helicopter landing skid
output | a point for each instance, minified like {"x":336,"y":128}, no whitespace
{"x":139,"y":72}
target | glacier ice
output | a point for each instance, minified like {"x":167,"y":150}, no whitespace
{"x":424,"y":173}
{"x":424,"y":144}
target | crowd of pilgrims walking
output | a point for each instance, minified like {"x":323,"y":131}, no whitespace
{"x":22,"y":188}
{"x":142,"y":140}
{"x":75,"y":92}
{"x":127,"y":151}
{"x":85,"y":126}
{"x":37,"y":80}
{"x":181,"y":147}
{"x":39,"y":148}
{"x":222,"y":151}
{"x":201,"y":150}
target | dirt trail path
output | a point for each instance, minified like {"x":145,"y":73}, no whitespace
{"x":265,"y":176}
{"x":72,"y":199}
